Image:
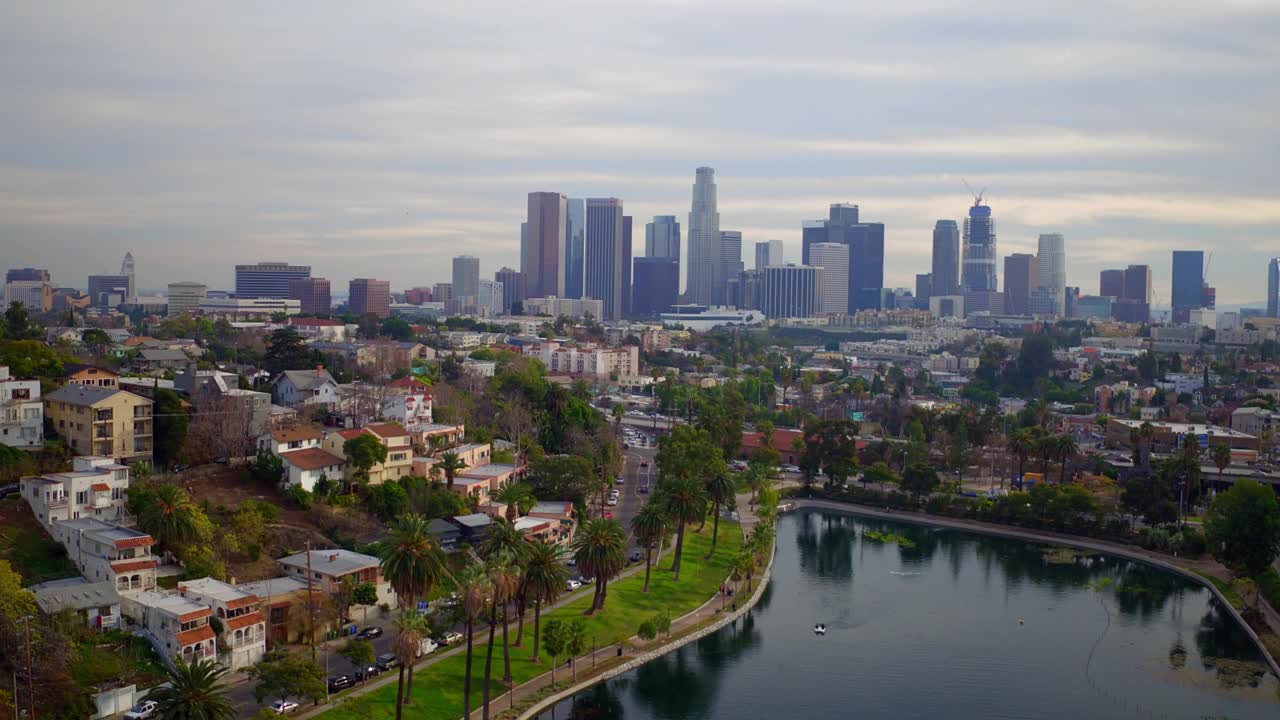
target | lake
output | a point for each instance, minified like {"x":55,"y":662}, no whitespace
{"x":932,"y":631}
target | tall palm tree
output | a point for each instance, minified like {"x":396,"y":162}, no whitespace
{"x":650,"y":527}
{"x":544,"y":580}
{"x":450,"y":464}
{"x":195,"y":691}
{"x":686,"y":501}
{"x":1022,"y":443}
{"x":721,"y":493}
{"x":503,"y":537}
{"x":744,"y":565}
{"x":515,"y":495}
{"x":413,"y":563}
{"x":475,"y":591}
{"x":411,"y":627}
{"x":600,"y":549}
{"x":169,"y":515}
{"x":504,"y":577}
{"x":1066,"y":448}
{"x":1222,"y":458}
{"x":506,"y":544}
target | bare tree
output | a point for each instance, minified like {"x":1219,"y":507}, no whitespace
{"x":222,"y":426}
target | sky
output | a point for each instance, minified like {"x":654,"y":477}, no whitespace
{"x":381,"y":139}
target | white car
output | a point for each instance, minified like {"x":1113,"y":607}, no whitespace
{"x":426,"y":646}
{"x":790,"y":468}
{"x":142,"y":710}
{"x":619,"y":480}
{"x":612,"y":501}
{"x":280,"y":707}
{"x":573,"y":585}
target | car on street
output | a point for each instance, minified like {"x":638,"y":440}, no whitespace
{"x":626,"y":446}
{"x":612,"y":501}
{"x":571,"y":562}
{"x":7,"y":490}
{"x":644,"y":489}
{"x":370,"y":633}
{"x":388,"y":661}
{"x":426,"y":646}
{"x":635,"y":556}
{"x":340,"y":682}
{"x":452,"y":637}
{"x":368,"y":672}
{"x":619,"y":480}
{"x":142,"y":710}
{"x":790,"y":468}
{"x":608,"y":514}
{"x":281,"y":707}
{"x":572,"y":585}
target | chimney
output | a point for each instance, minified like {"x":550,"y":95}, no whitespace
{"x":333,"y":557}
{"x":319,"y":371}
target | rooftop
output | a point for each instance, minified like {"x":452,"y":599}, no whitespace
{"x":217,"y":590}
{"x":387,"y":430}
{"x":84,"y":395}
{"x":296,"y":434}
{"x":267,"y":589}
{"x":173,"y":604}
{"x":474,"y":520}
{"x":332,"y":562}
{"x":307,"y":379}
{"x":552,"y":507}
{"x":1184,"y":428}
{"x":117,"y":535}
{"x":489,"y":471}
{"x":74,"y":594}
{"x":311,"y":458}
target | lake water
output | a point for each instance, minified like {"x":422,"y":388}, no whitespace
{"x":932,"y":632}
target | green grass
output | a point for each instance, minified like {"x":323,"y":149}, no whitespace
{"x":1225,"y":588}
{"x":115,"y":656}
{"x":32,"y":553}
{"x":437,"y":690}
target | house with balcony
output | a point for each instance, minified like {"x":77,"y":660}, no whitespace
{"x":279,"y":597}
{"x":77,"y":374}
{"x":101,"y":421}
{"x":326,"y":570}
{"x":305,"y":387}
{"x":395,"y":438}
{"x":560,"y":514}
{"x":21,"y":412}
{"x":437,"y":435}
{"x":178,"y":626}
{"x":306,"y":467}
{"x":96,"y":604}
{"x":94,"y":488}
{"x":242,"y":639}
{"x":106,"y":552}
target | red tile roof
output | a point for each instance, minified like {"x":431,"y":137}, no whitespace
{"x":410,"y":383}
{"x":387,"y":430}
{"x":244,"y":621}
{"x":293,"y":434}
{"x":133,"y":542}
{"x":100,"y":487}
{"x":242,"y":602}
{"x":782,"y":439}
{"x":315,"y":322}
{"x":195,"y":635}
{"x":351,"y":434}
{"x":131,"y":565}
{"x":311,"y":459}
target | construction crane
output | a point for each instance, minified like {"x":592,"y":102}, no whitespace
{"x":977,"y":196}
{"x":1205,"y":276}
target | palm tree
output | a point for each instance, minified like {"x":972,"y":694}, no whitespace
{"x":504,"y":578}
{"x":195,"y":691}
{"x":411,"y":627}
{"x":744,"y":565}
{"x":1066,"y":448}
{"x":514,"y":495}
{"x":413,"y":563}
{"x":450,"y":464}
{"x":721,"y":493}
{"x":686,"y":501}
{"x":650,"y":527}
{"x":474,"y":588}
{"x":1022,"y":443}
{"x":170,"y":516}
{"x":503,"y":537}
{"x":505,"y":543}
{"x":544,"y":580}
{"x":1222,"y":458}
{"x":600,"y":549}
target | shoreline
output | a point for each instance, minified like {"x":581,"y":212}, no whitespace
{"x":1043,"y":537}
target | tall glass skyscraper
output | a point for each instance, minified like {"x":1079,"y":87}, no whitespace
{"x":945,"y":277}
{"x":662,"y":237}
{"x":980,"y":249}
{"x":575,"y":247}
{"x":602,"y":279}
{"x":1273,"y":287}
{"x":706,"y":277}
{"x":1187,"y":292}
{"x":1051,"y":259}
{"x":542,"y":252}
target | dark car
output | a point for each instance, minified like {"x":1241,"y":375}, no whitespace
{"x":7,"y":490}
{"x":368,"y":672}
{"x":635,"y":556}
{"x":370,"y":633}
{"x":387,"y":662}
{"x":340,"y":682}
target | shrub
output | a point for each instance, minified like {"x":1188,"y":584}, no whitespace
{"x":299,"y":496}
{"x":1269,"y":586}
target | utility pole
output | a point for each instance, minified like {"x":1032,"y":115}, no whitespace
{"x":31,"y":683}
{"x":311,"y":603}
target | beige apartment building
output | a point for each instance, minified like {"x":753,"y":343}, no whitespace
{"x":102,"y":421}
{"x":396,"y":439}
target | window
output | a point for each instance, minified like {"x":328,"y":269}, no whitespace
{"x":82,"y":497}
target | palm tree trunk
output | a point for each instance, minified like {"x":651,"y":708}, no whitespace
{"x":715,"y":532}
{"x":520,"y":609}
{"x":400,"y":694}
{"x":488,"y":659}
{"x":648,"y":563}
{"x":604,"y":591}
{"x":537,"y":625}
{"x":675,"y":566}
{"x":506,"y":649}
{"x":466,"y":682}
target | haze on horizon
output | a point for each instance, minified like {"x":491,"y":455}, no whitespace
{"x":382,"y":139}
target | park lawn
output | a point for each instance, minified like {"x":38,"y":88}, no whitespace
{"x":437,"y":690}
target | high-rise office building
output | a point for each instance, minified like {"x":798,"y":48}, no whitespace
{"x":1051,"y":259}
{"x":730,"y":260}
{"x":575,"y":247}
{"x":945,"y":274}
{"x":705,"y":276}
{"x":127,"y":270}
{"x":1020,"y":272}
{"x":513,"y":290}
{"x":866,"y":266}
{"x":543,"y":255}
{"x":833,"y":258}
{"x":768,"y":253}
{"x":1273,"y":287}
{"x":602,"y":279}
{"x":626,"y":265}
{"x":791,"y":291}
{"x":268,"y":279}
{"x":367,"y":296}
{"x":466,"y":276}
{"x":749,"y":290}
{"x":108,"y":290}
{"x":839,"y":217}
{"x":1132,"y":293}
{"x":27,"y":275}
{"x":490,"y":297}
{"x":313,"y":295}
{"x":662,"y":237}
{"x":979,"y":250}
{"x":924,"y":290}
{"x":417,"y":295}
{"x":1137,"y":283}
{"x":1111,"y":283}
{"x":1187,"y":292}
{"x":185,"y":297}
{"x":442,"y":292}
{"x":35,"y":295}
{"x":657,"y":286}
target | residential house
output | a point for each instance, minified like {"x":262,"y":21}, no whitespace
{"x":161,"y":359}
{"x":21,"y":412}
{"x":326,"y":569}
{"x":110,"y":553}
{"x":438,"y":435}
{"x":560,"y":513}
{"x":395,"y":438}
{"x":784,"y":441}
{"x":288,"y":439}
{"x":321,"y":328}
{"x":244,"y":629}
{"x":65,"y":335}
{"x":305,"y":387}
{"x":447,"y":534}
{"x":95,"y":604}
{"x":473,"y":454}
{"x":542,"y":530}
{"x":279,"y":596}
{"x":307,"y":467}
{"x":474,"y":527}
{"x":94,"y":488}
{"x":482,"y":480}
{"x":90,"y":375}
{"x":101,"y":421}
{"x":409,"y":404}
{"x":178,"y":626}
{"x":1255,"y":421}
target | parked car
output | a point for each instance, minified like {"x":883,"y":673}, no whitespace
{"x":142,"y":710}
{"x":572,"y":585}
{"x":368,"y":672}
{"x":635,"y":556}
{"x":608,"y":514}
{"x":388,"y":661}
{"x":790,"y":468}
{"x":453,"y":637}
{"x":179,"y":468}
{"x":280,"y":707}
{"x":7,"y":490}
{"x":426,"y":646}
{"x":644,"y":489}
{"x":620,"y":480}
{"x":370,"y":633}
{"x":612,"y":501}
{"x":340,"y":682}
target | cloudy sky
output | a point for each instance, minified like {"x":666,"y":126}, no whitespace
{"x":380,"y":139}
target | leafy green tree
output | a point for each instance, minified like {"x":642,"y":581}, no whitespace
{"x":363,"y":452}
{"x":647,"y":630}
{"x":544,"y":580}
{"x":15,"y":601}
{"x":284,"y":674}
{"x":554,"y":642}
{"x":650,"y":526}
{"x":31,"y":359}
{"x":830,"y":447}
{"x":170,"y":427}
{"x":566,"y":477}
{"x":575,"y":642}
{"x":920,"y":479}
{"x":600,"y":548}
{"x":1242,"y":527}
{"x":365,"y":595}
{"x":194,"y":691}
{"x":359,"y":652}
{"x":286,"y":350}
{"x":388,"y":500}
{"x":881,"y":474}
{"x":517,"y":496}
{"x":17,"y":323}
{"x":1150,"y":497}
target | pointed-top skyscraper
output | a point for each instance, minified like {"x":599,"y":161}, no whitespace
{"x":705,"y":255}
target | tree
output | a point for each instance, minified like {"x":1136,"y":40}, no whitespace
{"x":504,"y":578}
{"x":685,"y":500}
{"x":1066,"y":449}
{"x":1242,"y":527}
{"x":722,"y":493}
{"x":286,"y":350}
{"x":170,"y":427}
{"x":920,"y":479}
{"x":167,"y":514}
{"x":283,"y":674}
{"x":363,"y":452}
{"x":567,"y":477}
{"x":1150,"y":497}
{"x":475,"y":591}
{"x":450,"y":464}
{"x":1221,"y":458}
{"x":600,"y":549}
{"x":649,"y":526}
{"x":830,"y":447}
{"x":365,"y":595}
{"x":359,"y":652}
{"x":554,"y":641}
{"x":413,"y":563}
{"x":388,"y":500}
{"x":517,"y":496}
{"x":575,"y":642}
{"x":410,"y":629}
{"x":544,"y":580}
{"x":195,"y":691}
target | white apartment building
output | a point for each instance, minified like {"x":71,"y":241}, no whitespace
{"x":95,"y":488}
{"x":553,"y":306}
{"x":21,"y":411}
{"x":600,"y":362}
{"x":240,"y":309}
{"x":179,"y":626}
{"x":185,"y":297}
{"x":106,"y":552}
{"x":244,"y":628}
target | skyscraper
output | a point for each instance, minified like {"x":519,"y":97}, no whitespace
{"x":466,"y":276}
{"x":1051,"y":258}
{"x":866,"y":266}
{"x":312,"y":294}
{"x":185,"y":297}
{"x":1111,"y":283}
{"x":1137,"y":283}
{"x":979,"y":249}
{"x":1132,"y":289}
{"x":512,"y":287}
{"x":127,"y":270}
{"x":945,"y":275}
{"x":924,"y":290}
{"x":543,"y":256}
{"x":839,"y":217}
{"x":705,"y":255}
{"x":627,"y":224}
{"x":768,"y":253}
{"x":833,"y":258}
{"x":367,"y":296}
{"x":108,"y":290}
{"x":268,"y":279}
{"x":791,"y":291}
{"x":575,"y":247}
{"x":1187,"y":292}
{"x":730,"y":261}
{"x":27,"y":274}
{"x":662,"y":237}
{"x":657,"y":286}
{"x":602,"y":278}
{"x":490,"y":298}
{"x":1273,"y":287}
{"x":1020,"y":272}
